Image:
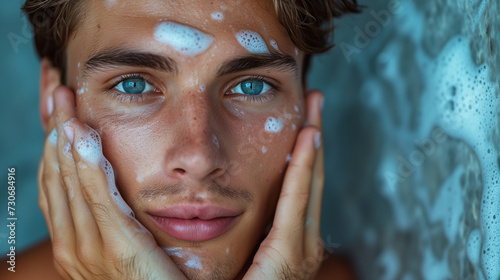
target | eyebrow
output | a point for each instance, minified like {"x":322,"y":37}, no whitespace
{"x":278,"y":61}
{"x":122,"y":57}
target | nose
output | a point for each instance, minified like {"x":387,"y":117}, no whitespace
{"x":196,"y":152}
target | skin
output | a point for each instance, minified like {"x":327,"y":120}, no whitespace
{"x":166,"y":139}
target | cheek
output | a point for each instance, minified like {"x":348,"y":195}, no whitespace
{"x":127,"y":144}
{"x":269,"y":142}
{"x":132,"y":154}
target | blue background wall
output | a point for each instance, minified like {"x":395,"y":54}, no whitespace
{"x":22,"y":135}
{"x":411,"y":131}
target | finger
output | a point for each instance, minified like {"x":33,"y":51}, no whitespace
{"x":313,"y":216}
{"x":59,"y":219}
{"x":42,"y":198}
{"x":294,"y":196}
{"x":97,"y":182}
{"x":85,"y":227}
{"x":314,"y":101}
{"x":114,"y":218}
{"x":60,"y":270}
{"x":48,"y":169}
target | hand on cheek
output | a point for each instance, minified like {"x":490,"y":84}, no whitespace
{"x":93,"y":231}
{"x":293,"y":248}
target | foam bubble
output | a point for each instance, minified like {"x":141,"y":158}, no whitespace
{"x":218,"y":16}
{"x":139,"y":179}
{"x":461,"y":99}
{"x":67,"y":150}
{"x":83,"y":88}
{"x":193,"y":261}
{"x":274,"y":45}
{"x":215,"y":140}
{"x":474,"y":247}
{"x":274,"y":125}
{"x":89,"y":147}
{"x":252,"y":41}
{"x":113,"y":190}
{"x":184,"y":39}
{"x":174,"y":251}
{"x":202,"y":87}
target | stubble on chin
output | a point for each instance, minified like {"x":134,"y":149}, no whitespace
{"x":218,"y":269}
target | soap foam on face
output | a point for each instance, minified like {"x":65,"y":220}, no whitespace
{"x":252,"y":41}
{"x":215,"y":140}
{"x":89,"y":147}
{"x":274,"y":45}
{"x":273,"y":125}
{"x":218,"y":16}
{"x":184,"y":39}
{"x":193,"y":261}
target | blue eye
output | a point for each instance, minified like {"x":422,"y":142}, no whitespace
{"x":134,"y":86}
{"x":251,"y":87}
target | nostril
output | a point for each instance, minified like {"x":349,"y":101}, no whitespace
{"x":180,"y":171}
{"x":217,"y":173}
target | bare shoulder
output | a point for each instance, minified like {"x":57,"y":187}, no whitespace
{"x":336,"y":268}
{"x":36,"y":263}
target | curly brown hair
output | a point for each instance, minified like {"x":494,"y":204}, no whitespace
{"x":309,"y":24}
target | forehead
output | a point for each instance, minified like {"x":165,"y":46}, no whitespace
{"x":108,"y":23}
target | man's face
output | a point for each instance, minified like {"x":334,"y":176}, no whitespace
{"x":209,"y":123}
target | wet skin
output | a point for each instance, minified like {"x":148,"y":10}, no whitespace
{"x":191,"y":140}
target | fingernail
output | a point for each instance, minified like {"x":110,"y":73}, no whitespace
{"x":50,"y":104}
{"x":317,"y":140}
{"x":69,"y":131}
{"x":321,"y":103}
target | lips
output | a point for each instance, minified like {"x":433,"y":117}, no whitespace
{"x":195,"y":223}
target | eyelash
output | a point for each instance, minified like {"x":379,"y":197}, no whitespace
{"x":139,"y":97}
{"x":261,"y":97}
{"x":122,"y":96}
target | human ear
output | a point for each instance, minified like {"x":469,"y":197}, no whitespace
{"x":50,"y":79}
